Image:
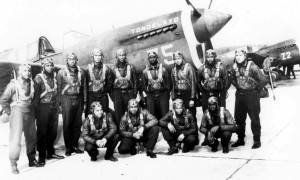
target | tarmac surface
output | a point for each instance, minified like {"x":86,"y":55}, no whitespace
{"x":278,"y":158}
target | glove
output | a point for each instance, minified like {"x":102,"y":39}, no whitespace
{"x":101,"y":143}
{"x":214,"y":130}
{"x":192,"y":103}
{"x":136,"y":135}
{"x":4,"y":118}
{"x":180,"y":137}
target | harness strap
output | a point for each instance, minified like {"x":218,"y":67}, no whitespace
{"x":92,"y":122}
{"x":47,"y":87}
{"x":93,"y":78}
{"x":20,"y":93}
{"x":118,"y":75}
{"x":69,"y":77}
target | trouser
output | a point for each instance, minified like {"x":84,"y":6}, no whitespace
{"x":158,"y":104}
{"x":290,"y":69}
{"x":92,"y":149}
{"x":47,"y":122}
{"x":206,"y":95}
{"x":92,"y":97}
{"x":247,"y":102}
{"x":149,"y":137}
{"x":189,"y":141}
{"x":120,"y":99}
{"x":72,"y":120}
{"x":225,"y":138}
{"x":186,"y":100}
{"x":19,"y":122}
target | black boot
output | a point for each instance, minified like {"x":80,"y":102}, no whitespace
{"x":256,"y":144}
{"x":93,"y":158}
{"x":77,"y":151}
{"x":151,"y":154}
{"x":239,"y":142}
{"x":68,"y":152}
{"x":225,"y":149}
{"x":111,"y":158}
{"x":185,"y":149}
{"x":172,"y":150}
{"x":42,"y":161}
{"x":34,"y":163}
{"x":205,"y":142}
{"x":133,"y":151}
{"x":214,"y":146}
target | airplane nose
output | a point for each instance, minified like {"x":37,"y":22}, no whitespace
{"x":209,"y":24}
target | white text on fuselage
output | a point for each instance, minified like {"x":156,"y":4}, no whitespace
{"x":155,"y":25}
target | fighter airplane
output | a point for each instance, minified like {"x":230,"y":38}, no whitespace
{"x":189,"y":31}
{"x":284,"y":53}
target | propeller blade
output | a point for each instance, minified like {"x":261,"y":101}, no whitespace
{"x":195,"y":11}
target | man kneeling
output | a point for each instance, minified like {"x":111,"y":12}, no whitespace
{"x":214,"y":126}
{"x":99,"y":130}
{"x":178,"y":125}
{"x":138,"y":125}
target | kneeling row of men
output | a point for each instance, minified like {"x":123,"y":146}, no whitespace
{"x":48,"y":92}
{"x":138,"y":126}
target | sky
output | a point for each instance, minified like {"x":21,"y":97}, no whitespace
{"x":253,"y":21}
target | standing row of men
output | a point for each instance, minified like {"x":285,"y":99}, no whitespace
{"x":24,"y":99}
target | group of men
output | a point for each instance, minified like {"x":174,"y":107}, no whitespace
{"x":137,"y":127}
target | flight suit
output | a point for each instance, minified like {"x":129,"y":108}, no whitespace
{"x":184,"y":85}
{"x":99,"y":81}
{"x":156,"y":83}
{"x":94,"y":128}
{"x":130,"y":124}
{"x":248,"y":80}
{"x":213,"y":81}
{"x":47,"y":112}
{"x":184,"y":124}
{"x":124,"y":88}
{"x":225,"y":129}
{"x":70,"y":86}
{"x":20,"y":106}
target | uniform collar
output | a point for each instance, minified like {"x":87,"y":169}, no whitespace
{"x":121,"y":64}
{"x":23,"y":80}
{"x":154,"y":67}
{"x":181,"y":66}
{"x":243,"y":64}
{"x":97,"y":66}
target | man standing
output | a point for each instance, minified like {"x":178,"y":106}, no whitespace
{"x":70,"y":85}
{"x":46,"y":111}
{"x":156,"y":83}
{"x":99,"y":130}
{"x":18,"y":102}
{"x":138,"y":125}
{"x":248,"y":80}
{"x":212,"y":81}
{"x":99,"y":81}
{"x":184,"y":82}
{"x":125,"y":84}
{"x":214,"y":127}
{"x":179,"y":125}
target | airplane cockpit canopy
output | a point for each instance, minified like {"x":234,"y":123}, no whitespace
{"x":45,"y":47}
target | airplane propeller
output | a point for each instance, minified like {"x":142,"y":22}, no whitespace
{"x":195,"y":11}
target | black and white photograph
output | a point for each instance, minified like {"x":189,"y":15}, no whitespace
{"x":149,"y":89}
